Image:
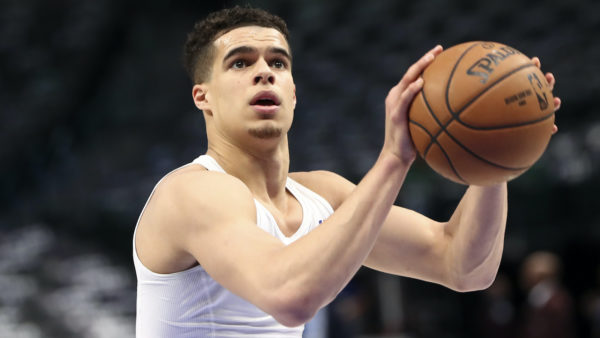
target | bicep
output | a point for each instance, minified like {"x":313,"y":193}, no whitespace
{"x":218,"y":228}
{"x":236,"y":253}
{"x":410,"y":244}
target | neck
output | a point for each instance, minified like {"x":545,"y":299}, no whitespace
{"x":261,"y":166}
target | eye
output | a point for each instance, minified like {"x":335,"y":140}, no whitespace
{"x":279,"y":64}
{"x":238,"y":64}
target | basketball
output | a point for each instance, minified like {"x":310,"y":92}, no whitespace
{"x":485,"y":114}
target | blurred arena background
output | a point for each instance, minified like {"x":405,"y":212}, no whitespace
{"x":95,"y":108}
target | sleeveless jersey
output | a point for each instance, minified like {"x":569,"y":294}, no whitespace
{"x":192,"y":304}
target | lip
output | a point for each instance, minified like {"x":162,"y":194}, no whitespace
{"x":265,"y":95}
{"x":266,"y":111}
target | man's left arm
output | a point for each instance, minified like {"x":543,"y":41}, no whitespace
{"x":463,"y":254}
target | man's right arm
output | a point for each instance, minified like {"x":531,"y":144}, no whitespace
{"x":212,"y":217}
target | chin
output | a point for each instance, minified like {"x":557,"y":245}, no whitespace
{"x":267,"y":132}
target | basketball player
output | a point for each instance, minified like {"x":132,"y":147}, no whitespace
{"x":234,"y":245}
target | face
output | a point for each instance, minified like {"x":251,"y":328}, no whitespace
{"x":251,"y":91}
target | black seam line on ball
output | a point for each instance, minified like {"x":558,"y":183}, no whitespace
{"x":452,"y":75}
{"x":442,"y":126}
{"x":443,"y":129}
{"x":506,"y":126}
{"x":456,"y":115}
{"x":442,"y":149}
{"x":453,"y":116}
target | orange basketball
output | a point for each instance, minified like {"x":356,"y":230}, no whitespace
{"x":485,"y":114}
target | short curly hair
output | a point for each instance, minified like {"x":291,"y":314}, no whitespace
{"x":198,"y":51}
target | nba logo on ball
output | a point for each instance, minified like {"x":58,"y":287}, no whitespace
{"x":485,"y":114}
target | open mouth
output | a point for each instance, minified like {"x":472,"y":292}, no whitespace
{"x":265,"y":99}
{"x":265,"y":102}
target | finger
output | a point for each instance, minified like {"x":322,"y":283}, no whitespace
{"x":551,"y":80}
{"x":409,"y":93}
{"x":557,"y":103}
{"x":412,"y":89}
{"x":436,"y":50}
{"x":406,"y":98}
{"x":536,"y":61}
{"x":554,"y":129}
{"x":415,"y":70}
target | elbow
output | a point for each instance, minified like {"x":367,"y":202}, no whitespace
{"x":476,"y":279}
{"x":293,"y":317}
{"x":472,"y":283}
{"x":477,"y":275}
{"x":295,"y":309}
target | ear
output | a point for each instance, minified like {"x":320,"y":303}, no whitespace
{"x":294,"y":96}
{"x":199,"y":93}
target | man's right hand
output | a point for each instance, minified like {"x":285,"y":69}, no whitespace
{"x":397,"y":102}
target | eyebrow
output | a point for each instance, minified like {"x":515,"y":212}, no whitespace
{"x":247,"y":50}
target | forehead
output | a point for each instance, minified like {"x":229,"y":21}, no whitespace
{"x":251,"y":36}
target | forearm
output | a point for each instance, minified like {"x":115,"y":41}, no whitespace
{"x":476,"y":237}
{"x":323,"y":262}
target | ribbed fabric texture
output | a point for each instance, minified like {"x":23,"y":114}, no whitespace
{"x":192,"y":304}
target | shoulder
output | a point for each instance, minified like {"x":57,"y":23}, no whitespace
{"x":194,"y":176}
{"x":192,"y":199}
{"x":198,"y":186}
{"x":194,"y":195}
{"x":331,"y":186}
{"x":186,"y":208}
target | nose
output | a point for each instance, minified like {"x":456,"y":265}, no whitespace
{"x":264,"y":74}
{"x":264,"y":77}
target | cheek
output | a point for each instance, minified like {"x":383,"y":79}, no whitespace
{"x":230,"y":94}
{"x":234,"y":89}
{"x":293,"y":97}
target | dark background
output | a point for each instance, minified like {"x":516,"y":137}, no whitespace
{"x":95,"y":108}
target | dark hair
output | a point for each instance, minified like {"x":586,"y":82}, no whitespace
{"x":198,"y":50}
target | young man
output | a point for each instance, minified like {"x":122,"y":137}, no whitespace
{"x":235,"y":245}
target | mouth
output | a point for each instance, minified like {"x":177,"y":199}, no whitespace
{"x":265,"y":99}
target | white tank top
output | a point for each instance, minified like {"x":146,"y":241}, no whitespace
{"x":192,"y":304}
